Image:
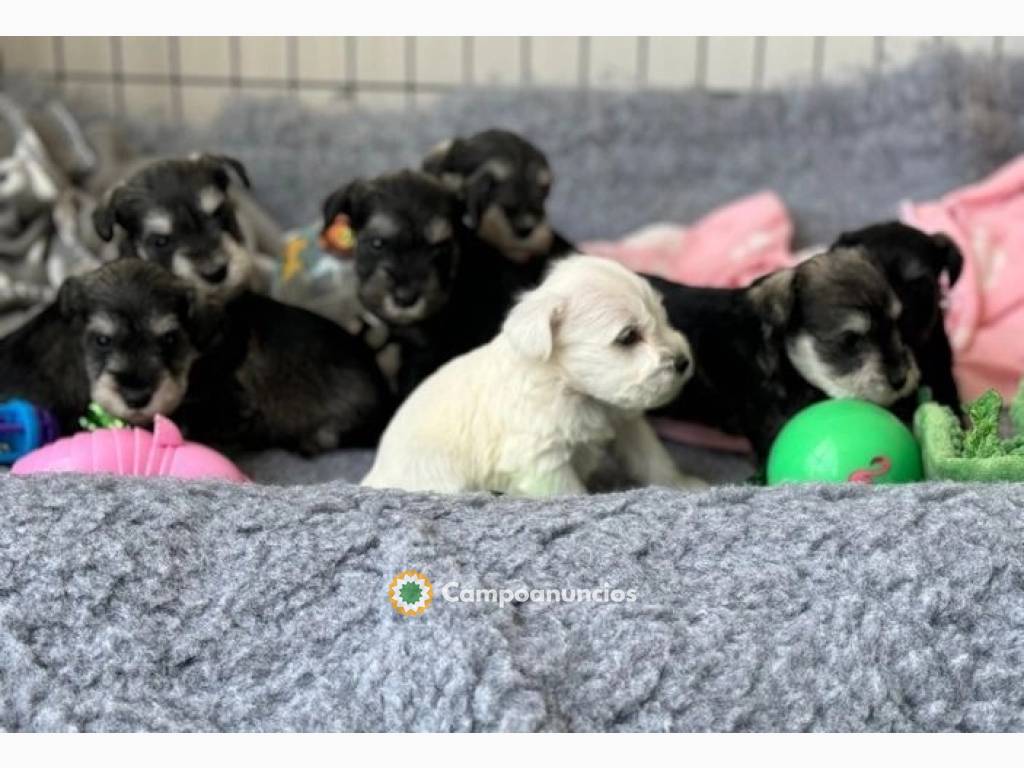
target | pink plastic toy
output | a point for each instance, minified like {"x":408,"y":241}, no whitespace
{"x":137,"y":452}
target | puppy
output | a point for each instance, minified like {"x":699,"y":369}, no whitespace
{"x":915,"y":264}
{"x":406,"y":248}
{"x":578,"y":361}
{"x":124,"y":336}
{"x":280,"y":376}
{"x":828,"y":327}
{"x":504,"y":181}
{"x":406,"y":245}
{"x":179,"y":214}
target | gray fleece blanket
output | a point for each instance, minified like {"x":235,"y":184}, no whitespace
{"x":162,"y":605}
{"x":131,"y":605}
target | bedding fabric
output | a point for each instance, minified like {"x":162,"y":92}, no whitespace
{"x":161,"y":605}
{"x":157,"y":605}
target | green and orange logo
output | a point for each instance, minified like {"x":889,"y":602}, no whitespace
{"x":410,"y":593}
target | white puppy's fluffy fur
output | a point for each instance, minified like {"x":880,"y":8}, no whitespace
{"x":577,"y":362}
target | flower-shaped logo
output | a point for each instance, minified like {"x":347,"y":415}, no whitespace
{"x":410,"y":593}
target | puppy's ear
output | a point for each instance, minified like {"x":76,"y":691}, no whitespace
{"x":436,"y":160}
{"x":107,"y":213}
{"x":344,"y":201}
{"x":477,"y":194}
{"x":531,"y":324}
{"x":71,"y":298}
{"x":774,"y":297}
{"x":103,"y":221}
{"x":225,"y":169}
{"x":951,"y":259}
{"x":443,"y":162}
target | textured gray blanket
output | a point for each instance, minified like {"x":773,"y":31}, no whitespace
{"x":162,"y":605}
{"x":131,"y":605}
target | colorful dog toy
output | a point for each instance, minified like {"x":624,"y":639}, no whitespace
{"x":96,"y":417}
{"x":845,"y":440}
{"x":23,"y":428}
{"x":978,"y":453}
{"x":137,"y":452}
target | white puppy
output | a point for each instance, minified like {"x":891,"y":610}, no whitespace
{"x":577,"y":362}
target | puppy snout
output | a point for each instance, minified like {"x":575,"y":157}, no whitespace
{"x":405,"y":296}
{"x":136,"y":391}
{"x":214,"y":274}
{"x":524,"y":226}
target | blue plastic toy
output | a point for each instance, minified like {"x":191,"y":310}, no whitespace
{"x":23,"y":428}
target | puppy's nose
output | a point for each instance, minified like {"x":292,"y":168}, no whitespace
{"x":898,"y":380}
{"x":135,"y":390}
{"x":216,"y":275}
{"x":524,"y":227}
{"x":681,"y":364}
{"x":406,"y":297}
{"x":136,"y":398}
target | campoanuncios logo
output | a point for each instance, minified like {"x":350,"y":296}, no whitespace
{"x":410,"y":593}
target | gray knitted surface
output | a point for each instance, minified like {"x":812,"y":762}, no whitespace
{"x":160,"y":605}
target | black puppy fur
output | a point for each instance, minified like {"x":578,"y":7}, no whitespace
{"x":279,"y":376}
{"x":124,"y":335}
{"x":437,"y":290}
{"x":914,"y":264}
{"x":409,"y":243}
{"x":504,"y":182}
{"x":178,"y":213}
{"x":749,"y":344}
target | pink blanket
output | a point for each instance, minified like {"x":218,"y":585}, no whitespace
{"x":745,"y":239}
{"x":728,"y":248}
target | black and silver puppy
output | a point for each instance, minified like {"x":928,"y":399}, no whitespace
{"x":411,"y":269}
{"x":504,"y":181}
{"x":407,"y":243}
{"x":124,"y":336}
{"x":178,"y":213}
{"x":828,"y":327}
{"x":920,"y":267}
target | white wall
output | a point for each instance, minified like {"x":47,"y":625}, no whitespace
{"x":190,"y":77}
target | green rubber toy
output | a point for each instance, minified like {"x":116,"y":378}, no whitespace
{"x":839,"y":441}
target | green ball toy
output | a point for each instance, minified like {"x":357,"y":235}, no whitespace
{"x":839,"y":441}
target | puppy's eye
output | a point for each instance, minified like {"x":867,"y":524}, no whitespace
{"x":168,"y":340}
{"x":159,"y":241}
{"x":850,"y":339}
{"x":628,"y":337}
{"x":376,"y":243}
{"x":101,"y":340}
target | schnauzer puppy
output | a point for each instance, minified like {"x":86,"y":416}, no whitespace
{"x":124,"y":336}
{"x":578,"y":361}
{"x":179,"y":214}
{"x":280,"y":376}
{"x":914,"y":264}
{"x":504,"y":181}
{"x":829,"y":327}
{"x":407,"y":245}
